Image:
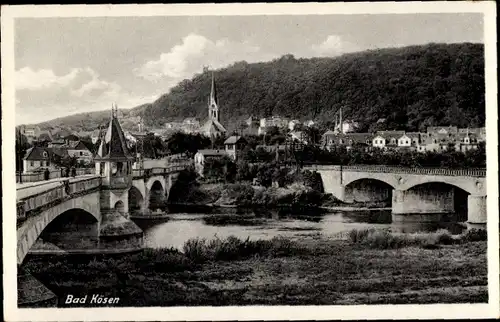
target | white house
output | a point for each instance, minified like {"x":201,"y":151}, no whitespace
{"x":404,"y":141}
{"x":234,"y":145}
{"x":37,"y":158}
{"x":378,"y":142}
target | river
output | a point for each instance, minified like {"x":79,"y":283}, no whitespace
{"x":183,"y":226}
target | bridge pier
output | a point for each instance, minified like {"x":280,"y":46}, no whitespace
{"x":476,"y":212}
{"x":145,"y":205}
{"x":421,"y":205}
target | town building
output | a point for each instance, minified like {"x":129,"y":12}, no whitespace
{"x":45,"y":136}
{"x":212,"y":127}
{"x":234,"y":145}
{"x":38,"y":158}
{"x":387,"y":139}
{"x":79,"y":150}
{"x":468,"y":141}
{"x":441,"y":138}
{"x":478,"y":132}
{"x":333,"y":139}
{"x":252,"y":122}
{"x":59,"y":143}
{"x":190,"y":125}
{"x":274,"y":121}
{"x":203,"y":155}
{"x":410,"y":141}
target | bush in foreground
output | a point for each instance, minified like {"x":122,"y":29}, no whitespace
{"x":475,"y":235}
{"x":383,"y":239}
{"x":233,"y":248}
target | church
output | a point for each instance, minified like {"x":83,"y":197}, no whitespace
{"x":212,"y":127}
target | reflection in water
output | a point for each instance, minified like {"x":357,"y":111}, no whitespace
{"x":183,"y":226}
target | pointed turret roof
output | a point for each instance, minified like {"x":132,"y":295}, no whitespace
{"x":213,"y":91}
{"x":113,"y":146}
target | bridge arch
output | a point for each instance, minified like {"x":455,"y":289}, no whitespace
{"x":368,"y":190}
{"x":433,"y":197}
{"x":155,"y":181}
{"x":388,"y":179}
{"x":470,"y":186}
{"x":156,"y":196}
{"x":32,"y":227}
{"x":135,"y":199}
{"x":73,"y":229}
{"x":120,"y":207}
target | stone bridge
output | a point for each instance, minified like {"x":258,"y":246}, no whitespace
{"x":76,"y":206}
{"x":413,"y":191}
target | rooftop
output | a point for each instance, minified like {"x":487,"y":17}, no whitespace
{"x":212,"y":152}
{"x":234,"y":139}
{"x":114,"y":146}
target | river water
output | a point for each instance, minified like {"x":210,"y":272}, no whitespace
{"x":180,"y":227}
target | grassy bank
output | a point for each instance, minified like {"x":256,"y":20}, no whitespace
{"x":244,"y":195}
{"x":281,"y":272}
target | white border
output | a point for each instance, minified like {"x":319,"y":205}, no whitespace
{"x":438,"y":311}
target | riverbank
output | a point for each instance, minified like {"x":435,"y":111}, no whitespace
{"x":311,"y":271}
{"x":245,"y":195}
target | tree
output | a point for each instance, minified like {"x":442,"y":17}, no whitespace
{"x":154,"y":147}
{"x":22,"y":146}
{"x":180,"y":142}
{"x":67,"y":161}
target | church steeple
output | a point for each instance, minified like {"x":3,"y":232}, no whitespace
{"x":213,"y":106}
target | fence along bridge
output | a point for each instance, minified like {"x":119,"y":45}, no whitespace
{"x":416,"y":193}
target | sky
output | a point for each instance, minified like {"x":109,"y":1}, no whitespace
{"x":72,"y":65}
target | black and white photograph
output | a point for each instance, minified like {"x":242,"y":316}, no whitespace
{"x":330,"y":156}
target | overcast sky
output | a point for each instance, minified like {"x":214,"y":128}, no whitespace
{"x":70,"y":65}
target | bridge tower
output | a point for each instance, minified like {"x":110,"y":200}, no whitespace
{"x":114,"y":163}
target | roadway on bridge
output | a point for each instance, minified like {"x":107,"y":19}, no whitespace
{"x":27,"y":189}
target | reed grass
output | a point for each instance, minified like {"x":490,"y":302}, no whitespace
{"x":383,"y":239}
{"x":233,"y":248}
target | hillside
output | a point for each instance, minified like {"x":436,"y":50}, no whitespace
{"x":411,"y":88}
{"x":92,"y":120}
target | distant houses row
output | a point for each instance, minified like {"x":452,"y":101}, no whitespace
{"x":252,"y":125}
{"x":37,"y":157}
{"x":437,"y":139}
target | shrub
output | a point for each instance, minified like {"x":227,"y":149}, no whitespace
{"x":383,"y":239}
{"x":196,"y":250}
{"x":357,"y":236}
{"x":167,"y":260}
{"x":473,"y":235}
{"x":233,"y":248}
{"x":443,"y":237}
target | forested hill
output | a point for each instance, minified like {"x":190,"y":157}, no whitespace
{"x":411,"y":88}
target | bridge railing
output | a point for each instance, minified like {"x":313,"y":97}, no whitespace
{"x":55,"y":195}
{"x":53,"y":174}
{"x":403,"y":170}
{"x":176,"y":167}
